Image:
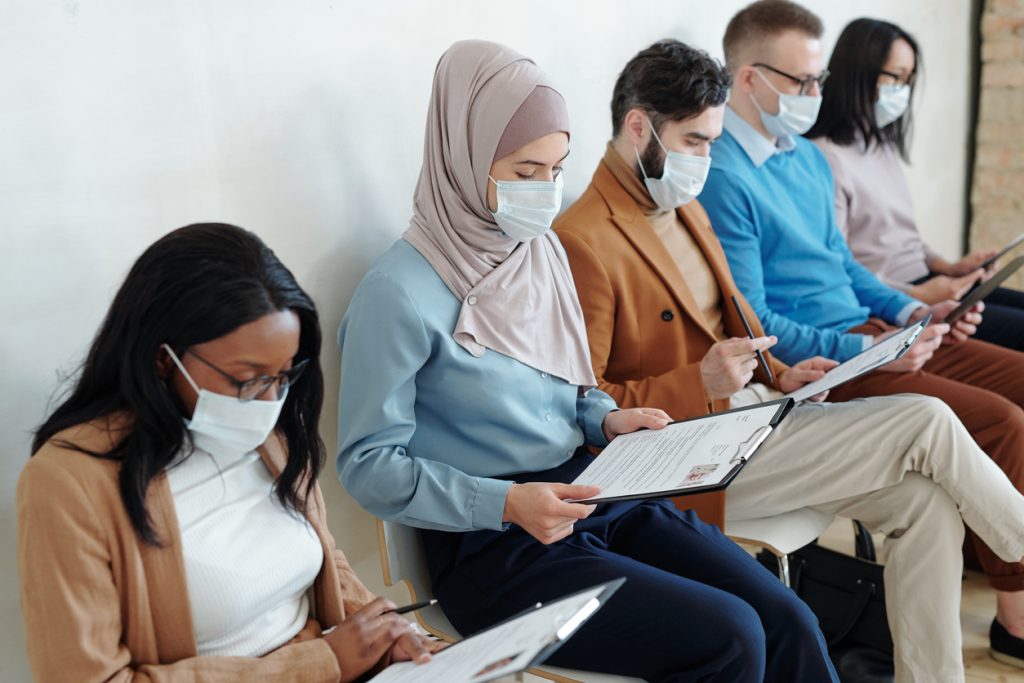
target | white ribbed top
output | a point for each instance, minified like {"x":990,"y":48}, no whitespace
{"x":249,"y":562}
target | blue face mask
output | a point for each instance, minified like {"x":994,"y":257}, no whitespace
{"x":526,"y":208}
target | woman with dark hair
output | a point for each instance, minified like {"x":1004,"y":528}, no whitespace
{"x":864,"y":128}
{"x":170,"y":527}
{"x":468,"y":400}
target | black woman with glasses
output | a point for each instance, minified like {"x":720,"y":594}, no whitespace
{"x":170,"y":526}
{"x":864,"y":130}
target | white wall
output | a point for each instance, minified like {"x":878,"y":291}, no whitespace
{"x":303,"y":121}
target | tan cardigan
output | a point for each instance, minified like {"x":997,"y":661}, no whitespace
{"x":100,"y":605}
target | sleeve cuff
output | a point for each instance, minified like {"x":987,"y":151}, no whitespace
{"x":489,"y":503}
{"x":904,"y":315}
{"x":593,"y":419}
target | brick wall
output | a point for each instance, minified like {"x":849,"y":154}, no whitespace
{"x":997,"y":198}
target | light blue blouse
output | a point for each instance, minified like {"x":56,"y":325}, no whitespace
{"x":424,"y":426}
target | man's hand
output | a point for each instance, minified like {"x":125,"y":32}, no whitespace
{"x":920,"y":352}
{"x":729,"y":365}
{"x":944,"y":288}
{"x":963,"y":329}
{"x":805,"y":372}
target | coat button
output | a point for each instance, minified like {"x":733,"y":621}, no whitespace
{"x":667,"y":315}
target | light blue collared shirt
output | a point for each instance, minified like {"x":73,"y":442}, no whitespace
{"x":425,"y":426}
{"x":759,"y":148}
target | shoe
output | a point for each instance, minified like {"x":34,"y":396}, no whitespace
{"x":1004,"y":646}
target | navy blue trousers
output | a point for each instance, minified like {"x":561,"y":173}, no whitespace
{"x":1003,"y":319}
{"x":694,"y":607}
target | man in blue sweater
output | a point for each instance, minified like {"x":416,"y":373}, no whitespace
{"x":769,"y":195}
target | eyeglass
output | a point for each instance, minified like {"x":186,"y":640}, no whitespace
{"x":805,"y":83}
{"x":900,"y":80}
{"x":252,"y":389}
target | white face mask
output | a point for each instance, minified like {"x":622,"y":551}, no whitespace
{"x":891,"y":104}
{"x":224,"y":425}
{"x":526,"y":208}
{"x":797,"y":113}
{"x":682,"y":179}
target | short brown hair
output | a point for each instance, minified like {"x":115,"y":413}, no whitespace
{"x":766,"y":19}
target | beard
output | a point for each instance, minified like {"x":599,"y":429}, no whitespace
{"x":653,"y":160}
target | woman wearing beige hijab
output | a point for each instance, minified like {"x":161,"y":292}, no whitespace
{"x":467,"y":399}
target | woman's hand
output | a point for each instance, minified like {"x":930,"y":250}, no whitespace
{"x":541,"y":509}
{"x":943,"y":287}
{"x":364,"y":637}
{"x":972,"y":262}
{"x":629,"y":420}
{"x":415,"y":647}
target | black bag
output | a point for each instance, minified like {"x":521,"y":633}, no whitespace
{"x":847,"y":594}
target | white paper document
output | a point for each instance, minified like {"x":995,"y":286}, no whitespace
{"x":698,"y":453}
{"x":882,"y":353}
{"x":505,"y":649}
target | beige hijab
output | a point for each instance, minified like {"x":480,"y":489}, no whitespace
{"x":518,"y":299}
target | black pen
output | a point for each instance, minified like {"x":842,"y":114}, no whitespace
{"x":413,"y":607}
{"x":750,"y":333}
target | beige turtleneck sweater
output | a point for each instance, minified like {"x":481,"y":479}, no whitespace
{"x":677,"y":239}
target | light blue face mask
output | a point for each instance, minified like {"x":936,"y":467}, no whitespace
{"x":526,"y":208}
{"x":891,"y":104}
{"x":797,"y":113}
{"x":682,"y":179}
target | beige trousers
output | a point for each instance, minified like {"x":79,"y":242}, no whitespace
{"x":906,"y":467}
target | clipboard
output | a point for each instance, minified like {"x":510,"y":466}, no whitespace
{"x":824,"y":384}
{"x":737,"y":461}
{"x":988,"y":263}
{"x":984,"y":289}
{"x":499,"y":665}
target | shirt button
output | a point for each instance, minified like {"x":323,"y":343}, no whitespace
{"x":544,"y":375}
{"x":471,"y":301}
{"x":667,"y":315}
{"x":547,"y":417}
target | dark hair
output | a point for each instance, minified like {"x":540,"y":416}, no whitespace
{"x":848,"y":98}
{"x":671,"y":81}
{"x":766,"y":19}
{"x":193,"y":285}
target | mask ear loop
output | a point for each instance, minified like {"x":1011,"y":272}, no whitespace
{"x":637,"y":150}
{"x":174,"y":357}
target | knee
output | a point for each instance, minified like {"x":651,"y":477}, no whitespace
{"x":790,"y":618}
{"x":927,"y":504}
{"x":746,"y":635}
{"x":935,"y":410}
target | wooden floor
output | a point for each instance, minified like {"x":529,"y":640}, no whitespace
{"x":976,"y":612}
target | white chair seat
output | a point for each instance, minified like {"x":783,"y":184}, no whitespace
{"x":781,"y":534}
